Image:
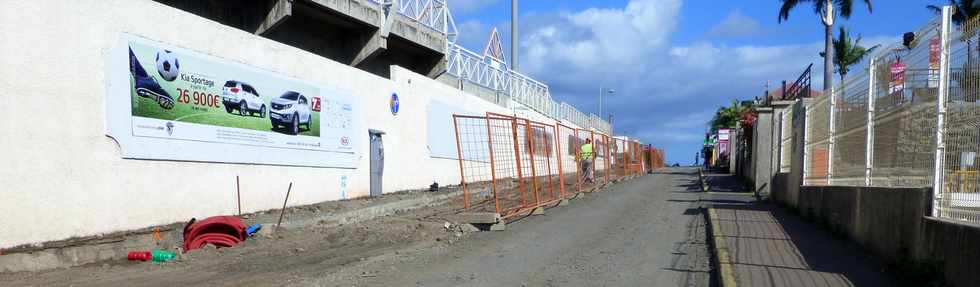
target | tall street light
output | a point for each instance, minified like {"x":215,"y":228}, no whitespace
{"x":602,"y":91}
{"x":513,"y":35}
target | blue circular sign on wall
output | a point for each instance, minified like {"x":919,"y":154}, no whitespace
{"x":394,"y":103}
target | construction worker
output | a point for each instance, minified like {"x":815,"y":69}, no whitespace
{"x":586,"y":157}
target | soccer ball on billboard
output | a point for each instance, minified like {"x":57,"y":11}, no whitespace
{"x":167,"y":65}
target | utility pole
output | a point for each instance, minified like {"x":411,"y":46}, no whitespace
{"x":513,"y":35}
{"x":602,"y":91}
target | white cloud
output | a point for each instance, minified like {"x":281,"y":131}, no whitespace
{"x":666,"y":93}
{"x":472,"y":34}
{"x":598,"y":37}
{"x":737,"y":24}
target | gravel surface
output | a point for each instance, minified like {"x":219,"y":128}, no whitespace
{"x":645,"y":232}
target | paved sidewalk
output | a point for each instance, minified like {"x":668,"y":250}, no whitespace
{"x":760,"y":245}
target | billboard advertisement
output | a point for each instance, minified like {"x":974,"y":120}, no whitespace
{"x":723,"y":141}
{"x":897,"y":83}
{"x":179,"y":104}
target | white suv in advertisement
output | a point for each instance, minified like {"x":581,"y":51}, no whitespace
{"x":242,"y":97}
{"x":291,"y":110}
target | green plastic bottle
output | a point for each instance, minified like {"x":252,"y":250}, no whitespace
{"x":163,"y":256}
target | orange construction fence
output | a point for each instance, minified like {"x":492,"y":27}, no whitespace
{"x":511,"y":165}
{"x":653,"y":159}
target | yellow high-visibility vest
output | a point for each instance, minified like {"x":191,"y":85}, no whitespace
{"x":586,"y":151}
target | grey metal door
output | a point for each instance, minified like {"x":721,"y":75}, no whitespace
{"x":377,"y":154}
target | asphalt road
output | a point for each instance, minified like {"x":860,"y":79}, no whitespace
{"x":649,"y":231}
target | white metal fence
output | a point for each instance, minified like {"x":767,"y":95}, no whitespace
{"x":785,"y":140}
{"x":816,"y":158}
{"x":909,"y":118}
{"x":477,"y":69}
{"x":474,"y":68}
{"x":879,"y":127}
{"x":433,"y":14}
{"x":959,"y":143}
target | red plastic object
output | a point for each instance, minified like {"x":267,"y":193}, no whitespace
{"x":140,"y":255}
{"x":220,"y":231}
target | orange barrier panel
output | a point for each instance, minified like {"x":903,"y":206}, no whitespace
{"x":639,"y":157}
{"x":622,"y":156}
{"x":568,"y":149}
{"x":608,"y":158}
{"x":544,"y":162}
{"x":510,"y":165}
{"x":601,"y":151}
{"x":510,"y":182}
{"x":652,"y":159}
{"x":528,"y":149}
{"x":472,"y":147}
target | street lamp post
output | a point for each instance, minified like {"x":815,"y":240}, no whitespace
{"x":513,"y":35}
{"x":601,"y":91}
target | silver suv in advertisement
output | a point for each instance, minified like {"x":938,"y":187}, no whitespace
{"x":291,"y":110}
{"x":242,"y":97}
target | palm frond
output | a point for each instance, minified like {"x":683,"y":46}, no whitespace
{"x":784,"y":10}
{"x":845,"y":7}
{"x":965,"y":9}
{"x":848,"y":51}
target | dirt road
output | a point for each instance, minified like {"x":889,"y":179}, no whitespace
{"x":645,"y":232}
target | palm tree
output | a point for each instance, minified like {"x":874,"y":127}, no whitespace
{"x":824,"y":8}
{"x":727,"y":117}
{"x":847,"y":52}
{"x":965,"y":9}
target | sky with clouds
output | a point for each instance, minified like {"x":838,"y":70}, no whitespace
{"x":672,"y":63}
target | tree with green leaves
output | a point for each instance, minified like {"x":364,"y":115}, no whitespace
{"x":848,"y":51}
{"x":828,"y":11}
{"x":727,"y":117}
{"x":965,"y":9}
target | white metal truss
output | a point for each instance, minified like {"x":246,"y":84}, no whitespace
{"x":483,"y":71}
{"x":430,"y":13}
{"x":494,"y":49}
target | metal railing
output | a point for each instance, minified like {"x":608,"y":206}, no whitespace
{"x":959,"y":141}
{"x":817,"y":165}
{"x":884,"y":119}
{"x":801,"y":87}
{"x":785,"y":140}
{"x":433,"y":14}
{"x":910,"y":118}
{"x":475,"y":68}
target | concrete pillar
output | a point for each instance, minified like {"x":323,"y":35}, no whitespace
{"x":377,"y":42}
{"x":281,"y":11}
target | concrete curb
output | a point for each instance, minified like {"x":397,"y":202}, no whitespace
{"x":722,"y":257}
{"x":86,"y":254}
{"x":705,"y":187}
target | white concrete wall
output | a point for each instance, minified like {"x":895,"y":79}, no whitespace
{"x":60,"y":176}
